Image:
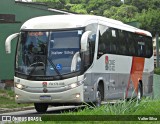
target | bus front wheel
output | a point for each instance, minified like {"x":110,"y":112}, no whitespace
{"x":41,"y":107}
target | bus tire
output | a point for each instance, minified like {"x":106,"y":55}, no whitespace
{"x":139,"y":93}
{"x":41,"y":107}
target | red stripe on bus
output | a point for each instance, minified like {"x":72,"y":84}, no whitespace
{"x":135,"y":73}
{"x":141,"y":33}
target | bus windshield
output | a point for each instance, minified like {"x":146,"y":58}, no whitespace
{"x":48,"y":53}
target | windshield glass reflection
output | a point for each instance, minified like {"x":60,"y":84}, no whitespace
{"x":49,"y":53}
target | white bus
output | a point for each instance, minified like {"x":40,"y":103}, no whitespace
{"x":73,"y":59}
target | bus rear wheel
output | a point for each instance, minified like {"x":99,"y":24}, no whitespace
{"x":41,"y":107}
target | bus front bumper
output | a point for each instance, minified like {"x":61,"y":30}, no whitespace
{"x":74,"y":95}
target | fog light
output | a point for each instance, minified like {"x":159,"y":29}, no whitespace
{"x":77,"y":95}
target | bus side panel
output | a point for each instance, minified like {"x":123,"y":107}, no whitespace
{"x":120,"y":75}
{"x":148,"y":76}
{"x":88,"y":88}
{"x":114,"y":72}
{"x":147,"y":84}
{"x":91,"y":82}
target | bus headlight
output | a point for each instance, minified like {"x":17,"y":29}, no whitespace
{"x":73,"y":85}
{"x":20,"y":86}
{"x":76,"y":84}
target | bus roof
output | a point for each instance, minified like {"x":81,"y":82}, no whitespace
{"x":74,"y":21}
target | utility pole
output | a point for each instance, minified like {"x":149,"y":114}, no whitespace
{"x":157,"y":48}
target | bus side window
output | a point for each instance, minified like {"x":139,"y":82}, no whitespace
{"x":101,"y":46}
{"x":103,"y":41}
{"x":149,"y":50}
{"x":121,"y":49}
{"x":140,"y":45}
{"x":113,"y":41}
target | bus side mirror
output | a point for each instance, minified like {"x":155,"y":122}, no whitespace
{"x":84,"y":41}
{"x":8,"y":42}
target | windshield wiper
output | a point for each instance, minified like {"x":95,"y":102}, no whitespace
{"x":56,"y":70}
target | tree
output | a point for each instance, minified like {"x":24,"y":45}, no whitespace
{"x":111,"y":12}
{"x":149,"y":20}
{"x":147,"y":12}
{"x":141,"y":4}
{"x":78,"y":8}
{"x":98,"y":7}
{"x":123,"y":13}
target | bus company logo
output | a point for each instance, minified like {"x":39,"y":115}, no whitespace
{"x":109,"y":64}
{"x":44,"y":84}
{"x":106,"y":62}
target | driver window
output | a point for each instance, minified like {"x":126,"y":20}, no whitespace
{"x":36,"y":43}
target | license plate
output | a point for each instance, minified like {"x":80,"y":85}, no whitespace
{"x":45,"y":97}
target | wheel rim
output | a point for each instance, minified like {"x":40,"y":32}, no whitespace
{"x":139,"y":93}
{"x":98,"y":99}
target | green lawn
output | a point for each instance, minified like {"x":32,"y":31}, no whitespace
{"x":147,"y":107}
{"x":7,"y":100}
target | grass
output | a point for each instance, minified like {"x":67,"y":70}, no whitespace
{"x":157,"y":71}
{"x":146,"y":107}
{"x":7,"y":100}
{"x":126,"y":109}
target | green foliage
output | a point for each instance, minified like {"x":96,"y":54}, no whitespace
{"x":149,"y":20}
{"x":123,"y":13}
{"x":128,"y":109}
{"x":79,"y":8}
{"x":157,"y":71}
{"x":132,"y":107}
{"x":147,"y":12}
{"x":8,"y":101}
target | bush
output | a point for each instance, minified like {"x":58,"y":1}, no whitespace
{"x":157,"y":71}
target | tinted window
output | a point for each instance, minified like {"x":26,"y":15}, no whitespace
{"x":115,"y":41}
